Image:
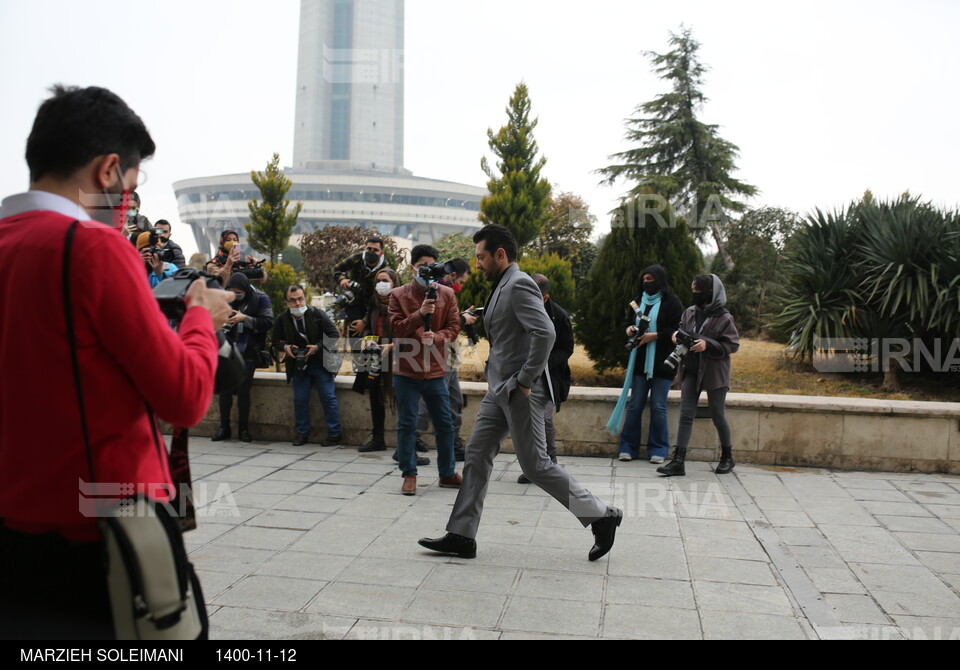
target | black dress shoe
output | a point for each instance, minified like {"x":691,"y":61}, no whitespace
{"x":451,"y":544}
{"x":523,"y":479}
{"x":421,"y":460}
{"x":421,"y":446}
{"x":373,"y":444}
{"x":604,"y":531}
{"x":300,"y":440}
{"x":223,"y":433}
{"x":244,"y":435}
{"x":331,"y":440}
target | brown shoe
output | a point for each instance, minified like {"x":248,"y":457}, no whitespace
{"x":409,"y":485}
{"x":453,"y":482}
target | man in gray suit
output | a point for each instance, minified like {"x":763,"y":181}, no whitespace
{"x":521,"y":336}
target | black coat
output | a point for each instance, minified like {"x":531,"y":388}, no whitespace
{"x":320,"y":330}
{"x":560,"y":376}
{"x":668,"y":320}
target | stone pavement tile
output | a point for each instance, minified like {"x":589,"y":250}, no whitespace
{"x":707,"y":529}
{"x":290,"y":475}
{"x":212,"y":459}
{"x":400,"y":548}
{"x":650,"y":592}
{"x":311,"y":465}
{"x":213,"y":583}
{"x":572,"y":559}
{"x":241,"y":474}
{"x":930,"y":542}
{"x":862,"y":631}
{"x":258,"y":501}
{"x":856,"y":481}
{"x":952,"y":580}
{"x":546,"y":615}
{"x":516,"y":517}
{"x":916,"y":524}
{"x":527,"y":636}
{"x":334,"y":454}
{"x":365,"y":468}
{"x":396,"y":572}
{"x":832,"y":511}
{"x":712,"y":569}
{"x":509,"y":534}
{"x":389,"y":630}
{"x":935,"y":498}
{"x":861,"y":544}
{"x":726,"y":512}
{"x":302,"y":503}
{"x":274,"y":539}
{"x":940,"y":603}
{"x":789,"y":519}
{"x":945,"y":512}
{"x":286,"y":519}
{"x":480,"y":610}
{"x":777,"y":504}
{"x":725,"y":548}
{"x":925,"y":485}
{"x":742,"y":598}
{"x":239,"y":451}
{"x":649,"y":523}
{"x":555,"y":517}
{"x":750,"y":626}
{"x":199,"y":470}
{"x":550,"y":537}
{"x":241,"y":623}
{"x":233,"y":560}
{"x":802,"y":537}
{"x":813,"y":486}
{"x":953,"y":523}
{"x":377,"y":505}
{"x":878,"y":508}
{"x":904,"y":578}
{"x":852,"y":608}
{"x":928,"y":628}
{"x":362,"y":600}
{"x":203,"y":533}
{"x":517,"y":502}
{"x":305,"y":565}
{"x":468,"y":577}
{"x":560,"y":586}
{"x":764,"y":486}
{"x":817,"y":557}
{"x":332,"y":491}
{"x":267,"y":592}
{"x":940,"y":562}
{"x":654,"y":557}
{"x":273,"y":486}
{"x":835,"y":580}
{"x":655,"y":622}
{"x":223,"y":512}
{"x":352,"y":478}
{"x":323,"y":539}
{"x":881,"y":496}
{"x":273,"y":460}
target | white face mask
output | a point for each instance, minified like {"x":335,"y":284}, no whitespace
{"x":384,"y":288}
{"x":298,"y":311}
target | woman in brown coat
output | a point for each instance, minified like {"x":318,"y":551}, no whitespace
{"x":705,"y":368}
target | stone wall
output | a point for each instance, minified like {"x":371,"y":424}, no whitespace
{"x":846,"y":433}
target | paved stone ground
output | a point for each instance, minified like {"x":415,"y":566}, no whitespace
{"x":313,"y":542}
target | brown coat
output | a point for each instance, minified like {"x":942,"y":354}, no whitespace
{"x":720,"y":334}
{"x":411,"y":358}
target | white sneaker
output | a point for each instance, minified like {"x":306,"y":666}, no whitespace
{"x":656,"y":460}
{"x":626,"y":457}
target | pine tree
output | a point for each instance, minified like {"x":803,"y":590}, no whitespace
{"x":519,"y":196}
{"x":271,"y":219}
{"x":678,"y":155}
{"x":639,"y":237}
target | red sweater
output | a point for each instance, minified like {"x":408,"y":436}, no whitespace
{"x":128,"y":356}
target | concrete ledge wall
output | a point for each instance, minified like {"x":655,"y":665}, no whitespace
{"x":846,"y":433}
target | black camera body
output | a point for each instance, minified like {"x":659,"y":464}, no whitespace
{"x":349,"y":295}
{"x":433,"y":272}
{"x":642,"y":329}
{"x":300,"y":355}
{"x":471,"y":328}
{"x":170,"y":294}
{"x":252,"y":270}
{"x":685,"y":342}
{"x":373,"y":355}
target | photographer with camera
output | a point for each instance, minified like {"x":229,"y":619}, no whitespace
{"x":247,"y":328}
{"x":308,"y":338}
{"x":376,"y":375}
{"x":84,"y":153}
{"x":705,"y":341}
{"x":459,"y":272}
{"x":153,"y":258}
{"x":168,"y":246}
{"x":424,"y":319}
{"x":357,"y":274}
{"x":652,"y":318}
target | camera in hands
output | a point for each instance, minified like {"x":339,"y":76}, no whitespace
{"x":685,"y":342}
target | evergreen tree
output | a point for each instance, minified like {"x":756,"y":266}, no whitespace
{"x":678,"y":155}
{"x":519,"y":196}
{"x":567,"y":232}
{"x":639,"y":237}
{"x":271,"y":218}
{"x":560,"y":274}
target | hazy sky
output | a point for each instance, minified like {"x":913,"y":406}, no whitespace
{"x":824,"y":99}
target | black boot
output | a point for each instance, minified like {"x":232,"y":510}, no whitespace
{"x":675,"y":467}
{"x":244,"y":434}
{"x":223,"y":433}
{"x":726,"y":463}
{"x":376,"y":443}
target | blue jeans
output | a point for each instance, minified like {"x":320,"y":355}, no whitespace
{"x":658,"y":442}
{"x":437,"y":398}
{"x":316,"y":375}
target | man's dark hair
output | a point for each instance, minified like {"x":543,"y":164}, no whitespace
{"x":496,"y":237}
{"x":78,"y":124}
{"x":163,"y":222}
{"x":543,"y":283}
{"x":135,"y":197}
{"x":375,"y":240}
{"x":294,"y":287}
{"x":460,"y":266}
{"x":422,"y":250}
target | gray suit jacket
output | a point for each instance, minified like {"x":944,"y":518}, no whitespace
{"x":520,"y":332}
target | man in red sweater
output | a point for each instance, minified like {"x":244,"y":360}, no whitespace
{"x":84,"y":153}
{"x":420,"y":367}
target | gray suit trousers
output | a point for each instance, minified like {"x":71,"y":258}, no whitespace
{"x":523,"y":420}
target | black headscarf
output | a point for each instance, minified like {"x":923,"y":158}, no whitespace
{"x":660,"y":275}
{"x":238,"y":280}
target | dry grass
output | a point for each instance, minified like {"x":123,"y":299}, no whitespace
{"x":762,"y":367}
